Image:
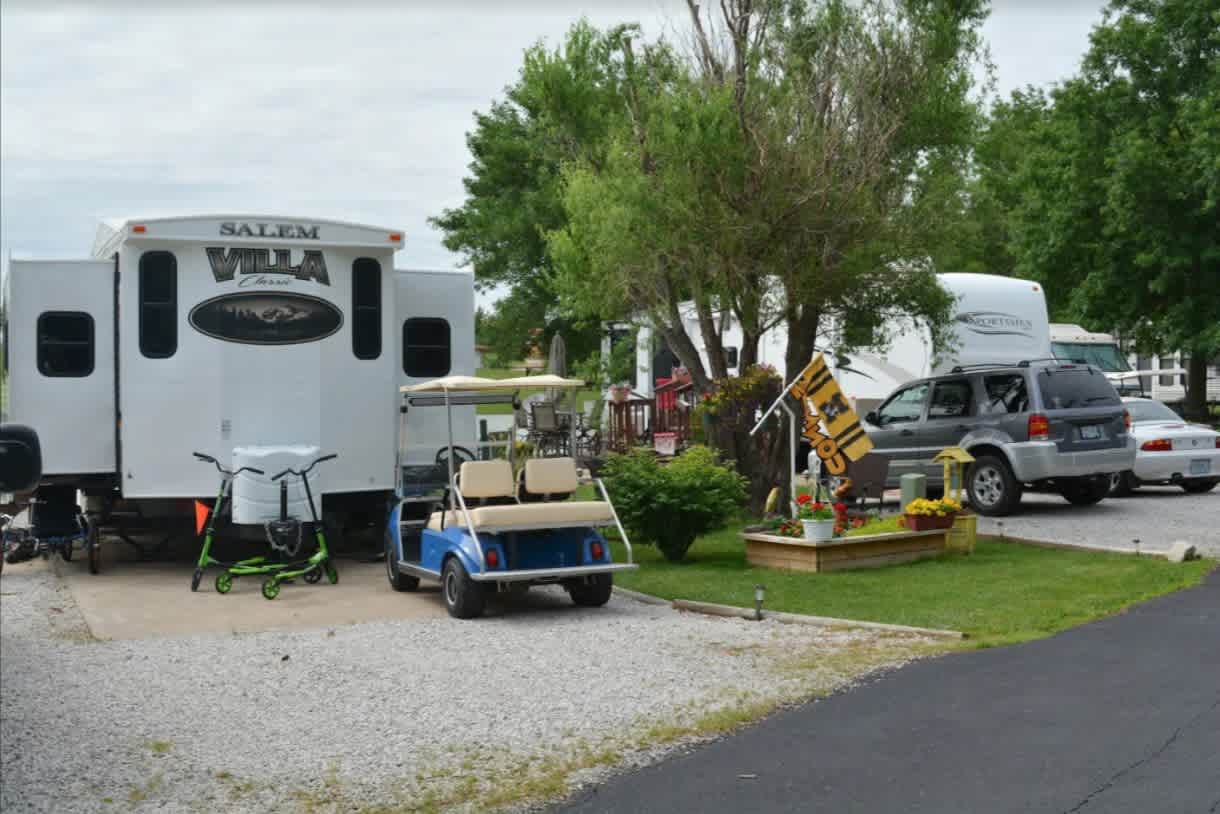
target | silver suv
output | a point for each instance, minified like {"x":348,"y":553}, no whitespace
{"x":1041,"y":425}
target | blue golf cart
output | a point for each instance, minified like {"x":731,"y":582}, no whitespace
{"x":496,"y":525}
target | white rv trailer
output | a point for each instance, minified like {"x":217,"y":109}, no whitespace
{"x":243,"y":337}
{"x":996,"y":319}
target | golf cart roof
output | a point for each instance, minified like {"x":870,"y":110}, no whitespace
{"x":475,"y":384}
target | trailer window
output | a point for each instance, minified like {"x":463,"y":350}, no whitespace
{"x":366,"y":308}
{"x":425,"y":347}
{"x":65,"y":343}
{"x":158,"y":305}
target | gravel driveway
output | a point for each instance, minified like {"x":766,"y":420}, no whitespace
{"x":416,"y":715}
{"x":1156,"y":515}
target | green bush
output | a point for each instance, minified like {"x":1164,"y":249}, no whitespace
{"x":669,"y":506}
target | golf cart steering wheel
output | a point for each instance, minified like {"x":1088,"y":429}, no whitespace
{"x":460,"y":456}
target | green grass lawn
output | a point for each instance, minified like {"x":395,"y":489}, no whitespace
{"x":1001,"y":594}
{"x":588,"y":394}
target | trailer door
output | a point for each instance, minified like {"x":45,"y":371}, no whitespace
{"x":60,"y":353}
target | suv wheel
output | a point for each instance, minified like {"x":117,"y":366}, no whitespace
{"x":993,"y":490}
{"x":1085,"y":491}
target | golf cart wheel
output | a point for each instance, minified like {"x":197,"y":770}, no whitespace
{"x":1123,"y":484}
{"x":196,"y":578}
{"x":313,"y":575}
{"x":332,"y":573}
{"x":993,"y":490}
{"x":398,"y":581}
{"x":592,"y":593}
{"x":1197,"y":487}
{"x":464,"y":598}
{"x":224,"y":582}
{"x":271,"y":588}
{"x":1085,"y":491}
{"x":93,"y":550}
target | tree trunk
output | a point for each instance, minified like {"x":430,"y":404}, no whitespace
{"x":802,"y":336}
{"x":711,"y":337}
{"x":747,"y":354}
{"x":1196,"y":385}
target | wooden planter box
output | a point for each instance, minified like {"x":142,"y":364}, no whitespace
{"x":923,"y":522}
{"x":866,"y":551}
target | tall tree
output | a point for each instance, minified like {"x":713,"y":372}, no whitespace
{"x":787,"y":171}
{"x":793,"y":168}
{"x":1120,"y":211}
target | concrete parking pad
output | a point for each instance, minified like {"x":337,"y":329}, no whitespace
{"x":137,"y":600}
{"x":1155,"y":515}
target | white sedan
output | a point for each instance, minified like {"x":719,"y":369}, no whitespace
{"x":1169,"y":450}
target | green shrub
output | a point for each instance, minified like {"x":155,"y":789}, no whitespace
{"x":669,"y":506}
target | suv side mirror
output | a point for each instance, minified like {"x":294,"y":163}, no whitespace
{"x":872,"y":418}
{"x":20,"y":458}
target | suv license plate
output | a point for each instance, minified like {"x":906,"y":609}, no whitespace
{"x":1200,"y":467}
{"x":1090,"y":432}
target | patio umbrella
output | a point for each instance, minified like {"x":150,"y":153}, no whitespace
{"x":557,"y":363}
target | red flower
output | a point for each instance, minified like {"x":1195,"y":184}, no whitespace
{"x":841,"y":508}
{"x":817,"y":507}
{"x":801,"y":500}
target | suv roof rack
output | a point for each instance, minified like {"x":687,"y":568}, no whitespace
{"x":1022,"y":363}
{"x":1028,"y":362}
{"x":980,"y":366}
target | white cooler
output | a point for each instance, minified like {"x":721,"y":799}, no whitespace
{"x":256,"y":498}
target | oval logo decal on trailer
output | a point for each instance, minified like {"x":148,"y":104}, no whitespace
{"x":266,"y":318}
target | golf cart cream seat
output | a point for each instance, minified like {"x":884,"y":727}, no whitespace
{"x":492,"y":482}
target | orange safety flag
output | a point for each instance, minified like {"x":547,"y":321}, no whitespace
{"x":202,"y":510}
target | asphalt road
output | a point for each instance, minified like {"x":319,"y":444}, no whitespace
{"x":1118,"y":716}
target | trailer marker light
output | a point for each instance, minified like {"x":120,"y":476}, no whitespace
{"x":139,"y":228}
{"x":1039,"y":427}
{"x":1159,"y":445}
{"x":1127,"y":419}
{"x":395,"y":237}
{"x":596,"y":551}
{"x":493,"y":559}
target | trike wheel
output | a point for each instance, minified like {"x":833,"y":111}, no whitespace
{"x":464,"y":598}
{"x":592,"y":593}
{"x":271,"y":588}
{"x":313,"y":575}
{"x":224,"y":583}
{"x":332,"y":574}
{"x":196,"y":578}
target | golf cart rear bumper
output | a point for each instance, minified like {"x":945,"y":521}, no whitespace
{"x":550,"y":574}
{"x":1038,"y":460}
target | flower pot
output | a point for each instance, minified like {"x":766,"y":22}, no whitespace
{"x":618,"y":396}
{"x":928,"y":522}
{"x":819,"y":530}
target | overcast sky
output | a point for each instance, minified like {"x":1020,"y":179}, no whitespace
{"x":356,"y":113}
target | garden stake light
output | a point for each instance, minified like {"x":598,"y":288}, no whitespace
{"x":760,"y":593}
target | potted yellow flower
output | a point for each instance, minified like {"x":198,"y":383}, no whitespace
{"x":922,"y":514}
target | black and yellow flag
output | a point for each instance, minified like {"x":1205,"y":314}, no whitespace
{"x":825,"y":404}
